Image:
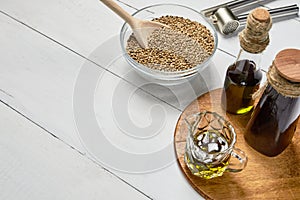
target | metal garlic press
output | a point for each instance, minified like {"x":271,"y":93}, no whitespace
{"x":224,"y":18}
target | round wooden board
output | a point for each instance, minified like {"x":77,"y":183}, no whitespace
{"x":263,"y":178}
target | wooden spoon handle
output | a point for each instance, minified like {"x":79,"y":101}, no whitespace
{"x":120,"y":11}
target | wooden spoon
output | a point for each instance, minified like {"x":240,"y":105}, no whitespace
{"x":142,"y":29}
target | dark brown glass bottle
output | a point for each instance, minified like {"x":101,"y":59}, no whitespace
{"x":275,"y":117}
{"x":272,"y":126}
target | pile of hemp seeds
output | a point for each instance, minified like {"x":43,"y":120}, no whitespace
{"x":181,"y":47}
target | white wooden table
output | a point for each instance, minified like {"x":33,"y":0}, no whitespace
{"x":62,"y":76}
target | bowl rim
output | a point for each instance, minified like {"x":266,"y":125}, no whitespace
{"x":168,"y":74}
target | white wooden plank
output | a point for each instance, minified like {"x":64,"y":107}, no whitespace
{"x":83,"y":32}
{"x":37,"y":77}
{"x":171,"y":184}
{"x":35,"y":165}
{"x":78,"y":24}
{"x":82,"y":26}
{"x":125,"y":117}
{"x":177,"y":95}
{"x":50,"y":104}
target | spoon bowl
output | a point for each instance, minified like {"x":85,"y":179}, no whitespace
{"x":142,"y":29}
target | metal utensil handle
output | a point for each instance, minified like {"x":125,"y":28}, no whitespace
{"x":240,"y":4}
{"x":235,"y":4}
{"x":275,"y":12}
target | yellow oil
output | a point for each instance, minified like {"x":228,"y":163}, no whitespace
{"x":209,"y":144}
{"x":244,"y":110}
{"x":206,"y":171}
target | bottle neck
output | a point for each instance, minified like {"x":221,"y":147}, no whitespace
{"x":254,"y":57}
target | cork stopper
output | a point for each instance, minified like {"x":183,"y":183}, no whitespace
{"x":284,"y":73}
{"x":255,"y":37}
{"x":287,"y":63}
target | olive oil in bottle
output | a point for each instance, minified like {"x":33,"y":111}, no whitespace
{"x":241,"y":81}
{"x":243,"y":77}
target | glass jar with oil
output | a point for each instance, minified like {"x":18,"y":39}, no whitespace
{"x":210,"y":147}
{"x":243,"y":77}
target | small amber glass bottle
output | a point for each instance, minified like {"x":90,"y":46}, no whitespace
{"x":244,"y":76}
{"x":275,"y":117}
{"x":241,"y":81}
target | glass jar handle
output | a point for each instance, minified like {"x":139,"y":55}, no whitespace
{"x":241,"y":161}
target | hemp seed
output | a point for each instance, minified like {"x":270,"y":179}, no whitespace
{"x":182,"y":46}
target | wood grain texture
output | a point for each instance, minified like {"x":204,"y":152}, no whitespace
{"x":35,"y":165}
{"x":287,"y":63}
{"x":263,"y":178}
